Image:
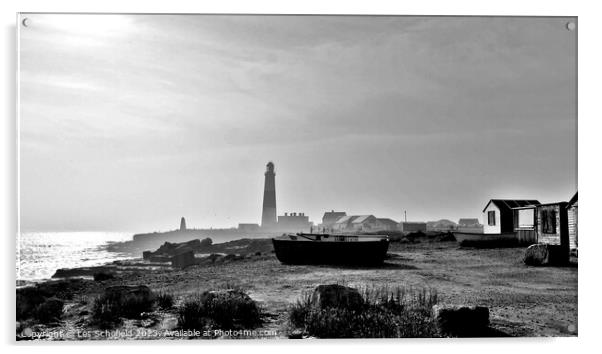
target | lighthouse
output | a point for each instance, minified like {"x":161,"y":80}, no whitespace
{"x":268,"y":217}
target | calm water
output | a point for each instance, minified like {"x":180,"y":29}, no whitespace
{"x":40,"y":254}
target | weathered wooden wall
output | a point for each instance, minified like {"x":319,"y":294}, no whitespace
{"x":572,"y":219}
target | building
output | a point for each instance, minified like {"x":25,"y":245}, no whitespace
{"x":343,"y":223}
{"x":331,"y":217}
{"x":385,"y":224}
{"x":364,"y":223}
{"x":182,"y":224}
{"x":293,"y":222}
{"x":442,"y":225}
{"x":409,"y":227}
{"x":469,"y":225}
{"x":468,"y":222}
{"x":268,"y":216}
{"x":542,"y":223}
{"x":354,"y":223}
{"x":572,"y":219}
{"x":498,"y":214}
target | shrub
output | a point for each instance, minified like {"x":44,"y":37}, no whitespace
{"x":165,"y":301}
{"x":384,"y":314}
{"x":226,"y":309}
{"x":48,"y":311}
{"x":110,"y":307}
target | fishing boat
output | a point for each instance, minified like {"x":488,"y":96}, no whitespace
{"x":475,"y":238}
{"x":304,"y":248}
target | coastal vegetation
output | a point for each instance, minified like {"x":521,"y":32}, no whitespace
{"x":379,"y":313}
{"x":230,"y":309}
{"x":522,"y":300}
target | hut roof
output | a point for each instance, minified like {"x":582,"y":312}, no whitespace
{"x":508,"y":204}
{"x":361,"y":218}
{"x":573,"y":201}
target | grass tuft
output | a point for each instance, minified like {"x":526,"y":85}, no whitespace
{"x":165,"y":300}
{"x":386,"y":313}
{"x":108,"y":309}
{"x":224,"y":310}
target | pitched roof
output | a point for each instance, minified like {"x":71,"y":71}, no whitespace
{"x":572,"y":201}
{"x":387,"y":221}
{"x":361,"y":218}
{"x":345,"y":219}
{"x":508,"y":204}
{"x":333,"y":215}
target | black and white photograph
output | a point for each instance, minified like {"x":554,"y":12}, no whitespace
{"x":295,"y":176}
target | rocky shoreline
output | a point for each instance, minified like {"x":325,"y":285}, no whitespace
{"x":67,"y":307}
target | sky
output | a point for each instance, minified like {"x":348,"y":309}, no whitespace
{"x":129,"y":122}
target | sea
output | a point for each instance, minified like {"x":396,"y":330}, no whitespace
{"x":40,"y":254}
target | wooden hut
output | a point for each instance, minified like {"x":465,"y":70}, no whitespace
{"x":543,"y":223}
{"x":525,"y":222}
{"x":498,"y":215}
{"x":572,"y":220}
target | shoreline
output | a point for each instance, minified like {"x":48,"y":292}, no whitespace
{"x":523,"y":300}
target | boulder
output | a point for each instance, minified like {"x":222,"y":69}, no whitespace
{"x":206,"y":242}
{"x":461,"y":321}
{"x":184,"y":259}
{"x":102,"y":276}
{"x":544,"y":255}
{"x":335,"y":295}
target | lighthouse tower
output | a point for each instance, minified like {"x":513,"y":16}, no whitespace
{"x":268,"y":217}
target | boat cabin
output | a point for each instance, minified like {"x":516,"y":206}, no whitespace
{"x":498,"y":214}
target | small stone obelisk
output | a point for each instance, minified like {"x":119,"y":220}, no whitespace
{"x":182,"y":224}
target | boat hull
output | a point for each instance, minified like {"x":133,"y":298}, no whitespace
{"x":349,"y":253}
{"x":472,"y":238}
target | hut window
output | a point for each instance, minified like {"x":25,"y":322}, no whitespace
{"x":491,"y":218}
{"x":548,"y":221}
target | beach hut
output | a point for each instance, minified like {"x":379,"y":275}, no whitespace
{"x":572,"y":221}
{"x":552,"y":226}
{"x":498,"y":214}
{"x":543,"y":223}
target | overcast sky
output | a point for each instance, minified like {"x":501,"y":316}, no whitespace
{"x":130,"y":122}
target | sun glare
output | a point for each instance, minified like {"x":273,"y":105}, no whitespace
{"x":82,"y":24}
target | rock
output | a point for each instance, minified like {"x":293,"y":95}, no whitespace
{"x":461,"y":321}
{"x":147,"y":254}
{"x":335,"y":295}
{"x":184,"y":259}
{"x":159,"y":258}
{"x":102,"y":276}
{"x":544,"y":254}
{"x":206,"y":242}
